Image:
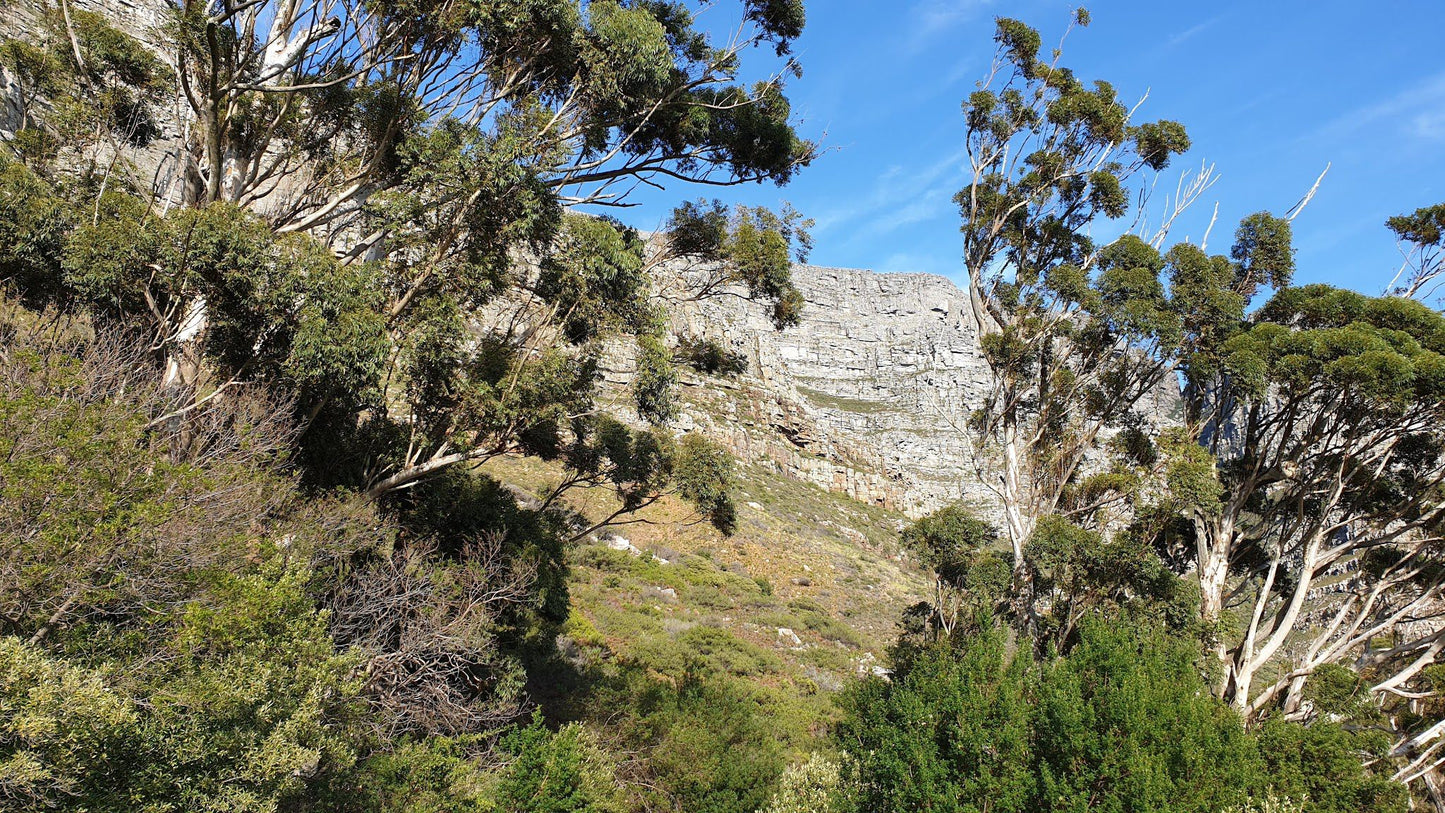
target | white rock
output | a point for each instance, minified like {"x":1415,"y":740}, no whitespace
{"x":621,"y":543}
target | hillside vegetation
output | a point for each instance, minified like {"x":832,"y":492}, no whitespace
{"x":313,"y":498}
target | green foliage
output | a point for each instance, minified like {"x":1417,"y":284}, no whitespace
{"x":1131,"y":293}
{"x":556,"y":773}
{"x":186,"y":628}
{"x":113,"y":57}
{"x":710,"y":357}
{"x":1424,"y":226}
{"x":706,"y":650}
{"x":384,"y":352}
{"x":815,"y":786}
{"x":272,"y":645}
{"x":279,"y":308}
{"x":1269,"y":804}
{"x":1122,"y":723}
{"x":580,"y":95}
{"x":760,"y":247}
{"x":712,"y":747}
{"x":949,"y":734}
{"x":653,"y":385}
{"x":703,"y":472}
{"x":1210,"y":302}
{"x":1338,"y":691}
{"x":1282,"y":404}
{"x":1190,"y":474}
{"x":98,"y":521}
{"x":460,"y":509}
{"x":461,"y":201}
{"x":1377,"y":353}
{"x":263,"y":293}
{"x":1086,"y":574}
{"x":595,"y":280}
{"x":108,"y":95}
{"x":754,"y":245}
{"x":39,"y":70}
{"x":256,"y":703}
{"x":248,"y":706}
{"x":1263,"y":253}
{"x":1320,"y":764}
{"x":63,"y":729}
{"x":1420,"y":234}
{"x":1078,"y":572}
{"x":1076,"y":334}
{"x":781,"y":20}
{"x":960,"y":548}
{"x":435,"y":775}
{"x":34,"y":224}
{"x":177,"y":585}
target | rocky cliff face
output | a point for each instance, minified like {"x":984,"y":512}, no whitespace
{"x":867,"y":396}
{"x":157,"y":162}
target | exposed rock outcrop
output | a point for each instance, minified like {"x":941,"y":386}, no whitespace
{"x":868,"y":396}
{"x":877,"y":381}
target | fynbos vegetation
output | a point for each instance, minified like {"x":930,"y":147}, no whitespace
{"x":310,"y":477}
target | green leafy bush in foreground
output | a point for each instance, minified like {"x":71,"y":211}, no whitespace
{"x":1123,"y":722}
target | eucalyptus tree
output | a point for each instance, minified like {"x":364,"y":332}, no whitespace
{"x":443,"y":147}
{"x":309,"y":102}
{"x":1309,"y":477}
{"x":1077,"y":335}
{"x":1420,"y":236}
{"x":1324,"y":413}
{"x":436,"y":152}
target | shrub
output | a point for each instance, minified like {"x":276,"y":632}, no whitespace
{"x":714,"y":749}
{"x":565,"y":772}
{"x":710,"y":357}
{"x":815,"y":786}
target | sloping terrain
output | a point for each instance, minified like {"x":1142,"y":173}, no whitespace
{"x":805,"y":594}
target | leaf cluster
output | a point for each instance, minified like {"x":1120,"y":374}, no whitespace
{"x":1123,"y":721}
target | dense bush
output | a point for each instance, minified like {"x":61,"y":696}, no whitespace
{"x":713,"y":748}
{"x":710,"y":357}
{"x":1122,"y":722}
{"x":183,"y":628}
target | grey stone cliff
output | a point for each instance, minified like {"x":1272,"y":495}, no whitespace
{"x":867,"y":396}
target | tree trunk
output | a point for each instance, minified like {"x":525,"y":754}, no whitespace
{"x":1435,"y":785}
{"x":1214,"y":541}
{"x":183,"y":357}
{"x":1019,"y":519}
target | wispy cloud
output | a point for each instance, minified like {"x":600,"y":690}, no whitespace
{"x":1416,"y":111}
{"x":1429,"y":126}
{"x":1194,"y":30}
{"x":899,"y":198}
{"x":927,"y":206}
{"x":945,"y":13}
{"x":930,"y":19}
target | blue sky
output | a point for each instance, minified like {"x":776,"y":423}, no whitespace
{"x":1270,"y":91}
